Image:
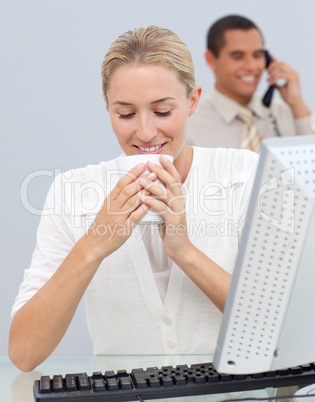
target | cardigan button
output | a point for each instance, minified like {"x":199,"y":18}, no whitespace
{"x":171,"y":343}
{"x":168,"y":322}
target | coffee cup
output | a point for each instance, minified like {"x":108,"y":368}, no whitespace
{"x":126,"y":163}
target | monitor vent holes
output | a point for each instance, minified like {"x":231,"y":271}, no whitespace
{"x":269,"y":258}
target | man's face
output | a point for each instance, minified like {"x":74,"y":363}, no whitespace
{"x":239,"y":65}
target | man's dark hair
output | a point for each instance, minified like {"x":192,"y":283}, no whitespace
{"x":215,"y":38}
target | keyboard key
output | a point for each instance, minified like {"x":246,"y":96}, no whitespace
{"x":99,"y":385}
{"x":182,"y":367}
{"x":138,"y":371}
{"x":213,"y":377}
{"x":284,"y":372}
{"x":154,"y":382}
{"x":57,"y":383}
{"x":112,"y":384}
{"x":97,"y":374}
{"x":167,"y":381}
{"x":109,"y":374}
{"x":84,"y":382}
{"x":239,"y":377}
{"x":70,"y":382}
{"x":168,"y":368}
{"x":226,"y":377}
{"x":296,"y":370}
{"x":190,"y":377}
{"x":44,"y":385}
{"x":152,"y":369}
{"x":200,"y":378}
{"x":125,"y":383}
{"x":180,"y":380}
{"x":259,"y":375}
{"x":141,"y":383}
{"x":270,"y":374}
{"x":122,"y":373}
{"x":306,"y":367}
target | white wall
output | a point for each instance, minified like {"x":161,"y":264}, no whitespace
{"x":52,"y":114}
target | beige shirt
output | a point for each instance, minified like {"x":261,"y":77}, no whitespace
{"x":214,"y":123}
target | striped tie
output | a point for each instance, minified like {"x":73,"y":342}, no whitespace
{"x":250,"y":137}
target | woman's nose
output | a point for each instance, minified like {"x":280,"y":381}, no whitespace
{"x":146,"y":130}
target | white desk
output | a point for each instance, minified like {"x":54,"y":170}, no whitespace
{"x":16,"y":386}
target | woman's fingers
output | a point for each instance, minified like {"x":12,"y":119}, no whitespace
{"x":124,"y":195}
{"x":121,"y":211}
{"x":171,"y":189}
{"x":139,"y":213}
{"x":162,"y":199}
{"x":167,"y":173}
{"x":129,"y":178}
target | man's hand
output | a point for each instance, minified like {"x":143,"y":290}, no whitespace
{"x":291,"y":90}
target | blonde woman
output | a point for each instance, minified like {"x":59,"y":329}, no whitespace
{"x":165,"y":286}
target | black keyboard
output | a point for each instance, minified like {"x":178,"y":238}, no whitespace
{"x":164,"y":382}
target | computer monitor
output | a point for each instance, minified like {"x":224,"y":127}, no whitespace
{"x":269,"y":317}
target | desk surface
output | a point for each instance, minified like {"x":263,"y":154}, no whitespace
{"x":16,"y":386}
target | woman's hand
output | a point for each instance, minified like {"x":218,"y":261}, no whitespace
{"x":119,"y":214}
{"x":205,"y":273}
{"x":170,"y":204}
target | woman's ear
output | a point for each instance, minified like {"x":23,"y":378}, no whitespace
{"x":194,"y":100}
{"x":104,"y":97}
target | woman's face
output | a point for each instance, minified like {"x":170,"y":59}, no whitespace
{"x":148,"y":108}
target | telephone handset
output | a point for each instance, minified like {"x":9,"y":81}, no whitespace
{"x":268,"y":98}
{"x":268,"y":95}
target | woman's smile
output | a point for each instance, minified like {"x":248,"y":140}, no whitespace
{"x":154,"y":149}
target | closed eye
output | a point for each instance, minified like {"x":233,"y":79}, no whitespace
{"x":126,"y":116}
{"x":163,"y":114}
{"x":130,"y":115}
{"x":237,"y":55}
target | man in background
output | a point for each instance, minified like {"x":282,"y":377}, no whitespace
{"x":232,"y":115}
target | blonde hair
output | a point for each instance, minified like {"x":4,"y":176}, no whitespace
{"x":149,"y":45}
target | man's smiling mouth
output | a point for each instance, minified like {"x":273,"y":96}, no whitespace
{"x":248,"y":78}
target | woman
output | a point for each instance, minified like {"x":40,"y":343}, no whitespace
{"x":165,"y":288}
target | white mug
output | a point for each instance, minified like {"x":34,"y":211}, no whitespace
{"x":125,"y":163}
